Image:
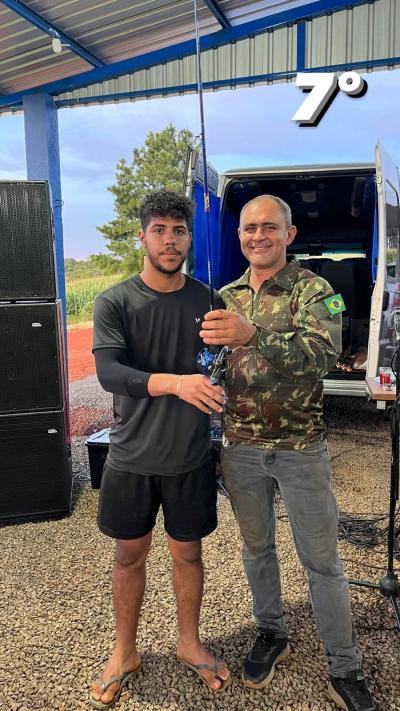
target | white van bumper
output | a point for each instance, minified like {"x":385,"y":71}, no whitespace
{"x":347,"y":388}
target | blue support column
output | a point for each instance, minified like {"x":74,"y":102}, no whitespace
{"x":43,"y":163}
{"x":301,"y":46}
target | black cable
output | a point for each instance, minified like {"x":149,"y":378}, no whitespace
{"x":363,"y":565}
{"x":367,"y":628}
{"x":362,"y":531}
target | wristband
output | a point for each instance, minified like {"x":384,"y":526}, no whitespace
{"x":178,"y":387}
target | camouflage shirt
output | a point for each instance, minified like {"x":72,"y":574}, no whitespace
{"x":274,"y":383}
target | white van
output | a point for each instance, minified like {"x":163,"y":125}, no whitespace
{"x":348,"y":222}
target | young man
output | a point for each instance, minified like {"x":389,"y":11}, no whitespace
{"x":285,"y":328}
{"x":146,"y":338}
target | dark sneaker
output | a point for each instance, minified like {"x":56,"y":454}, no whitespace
{"x":351,"y":693}
{"x":259,"y":665}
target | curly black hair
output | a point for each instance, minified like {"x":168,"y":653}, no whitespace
{"x":165,"y":203}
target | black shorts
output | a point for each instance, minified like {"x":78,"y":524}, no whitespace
{"x":129,"y":503}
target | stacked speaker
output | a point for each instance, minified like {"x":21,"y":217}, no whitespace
{"x":35,"y":459}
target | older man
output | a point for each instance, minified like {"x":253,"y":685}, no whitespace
{"x":284,"y":325}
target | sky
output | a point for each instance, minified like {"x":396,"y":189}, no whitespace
{"x":246,"y":127}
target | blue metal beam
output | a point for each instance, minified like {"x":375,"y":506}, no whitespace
{"x":52,"y":30}
{"x":217,"y":12}
{"x":185,"y":49}
{"x":301,"y":46}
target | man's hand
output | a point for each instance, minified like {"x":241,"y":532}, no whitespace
{"x":226,"y":328}
{"x":195,"y":389}
{"x":198,"y":391}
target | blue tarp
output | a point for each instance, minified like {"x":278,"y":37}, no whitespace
{"x":200,"y":255}
{"x":227,"y":259}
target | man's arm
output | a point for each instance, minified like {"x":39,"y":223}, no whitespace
{"x":120,"y":379}
{"x":311,"y":348}
{"x":116,"y":376}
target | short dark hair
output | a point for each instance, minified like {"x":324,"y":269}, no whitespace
{"x":165,"y":203}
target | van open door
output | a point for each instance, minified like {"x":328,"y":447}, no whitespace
{"x":386,"y":264}
{"x":198,"y":256}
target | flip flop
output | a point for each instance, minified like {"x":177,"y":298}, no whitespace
{"x":215,"y":668}
{"x":123,"y":680}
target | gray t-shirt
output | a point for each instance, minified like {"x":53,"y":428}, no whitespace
{"x":159,"y":333}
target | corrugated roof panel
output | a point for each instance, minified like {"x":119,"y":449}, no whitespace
{"x":188,"y":69}
{"x":27,"y":72}
{"x":282,"y":46}
{"x":238,"y":11}
{"x":367,"y":32}
{"x":26,"y":54}
{"x":145,"y":31}
{"x":264,"y":54}
{"x":386,"y":29}
{"x":113,"y":30}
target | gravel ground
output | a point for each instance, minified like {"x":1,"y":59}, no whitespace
{"x":56,"y":608}
{"x":91,"y":407}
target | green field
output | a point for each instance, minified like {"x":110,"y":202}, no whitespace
{"x":82,"y":291}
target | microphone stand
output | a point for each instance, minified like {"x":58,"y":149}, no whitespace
{"x":389,"y":585}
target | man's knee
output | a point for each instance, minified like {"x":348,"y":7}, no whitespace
{"x":258,"y":535}
{"x":323,"y":560}
{"x":132,"y":553}
{"x":185,"y":552}
{"x":254,"y":547}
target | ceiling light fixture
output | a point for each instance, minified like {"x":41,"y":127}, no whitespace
{"x":56,"y":43}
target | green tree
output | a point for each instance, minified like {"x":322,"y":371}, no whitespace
{"x":104,"y":264}
{"x":70,"y":265}
{"x":158,"y":164}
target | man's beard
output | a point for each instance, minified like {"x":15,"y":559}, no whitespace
{"x":163,"y":270}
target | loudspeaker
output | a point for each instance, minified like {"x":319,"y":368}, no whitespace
{"x":32,"y":357}
{"x":27,"y":263}
{"x":35,"y":466}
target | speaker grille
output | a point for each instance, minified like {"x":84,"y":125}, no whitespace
{"x":30,"y":374}
{"x":27,"y":269}
{"x":35,"y":466}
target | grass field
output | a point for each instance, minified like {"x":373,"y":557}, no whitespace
{"x":82,"y":291}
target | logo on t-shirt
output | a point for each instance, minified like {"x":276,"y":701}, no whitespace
{"x":197,"y":319}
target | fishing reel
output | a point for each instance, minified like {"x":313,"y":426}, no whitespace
{"x":213,"y":363}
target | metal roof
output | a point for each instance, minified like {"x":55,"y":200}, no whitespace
{"x":124,"y":49}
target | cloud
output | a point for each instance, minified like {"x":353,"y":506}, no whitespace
{"x":258,"y":124}
{"x":12,"y":148}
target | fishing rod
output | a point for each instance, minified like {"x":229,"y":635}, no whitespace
{"x":210,"y":360}
{"x":204,"y":155}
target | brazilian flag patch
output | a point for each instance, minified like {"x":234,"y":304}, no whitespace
{"x":335,"y":304}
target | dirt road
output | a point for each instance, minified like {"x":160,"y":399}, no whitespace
{"x":80,"y":358}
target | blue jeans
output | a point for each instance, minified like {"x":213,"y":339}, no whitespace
{"x":304,"y":478}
